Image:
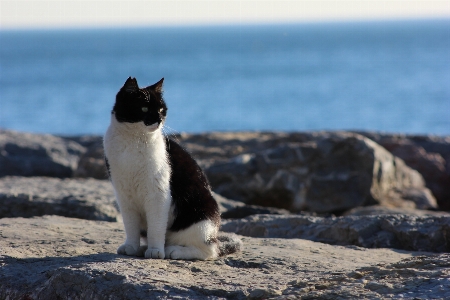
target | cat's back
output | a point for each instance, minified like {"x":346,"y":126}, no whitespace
{"x":190,"y":189}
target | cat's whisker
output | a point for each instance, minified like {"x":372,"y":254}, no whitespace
{"x":169,"y":132}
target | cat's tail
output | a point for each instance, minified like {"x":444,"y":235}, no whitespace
{"x":228,"y":243}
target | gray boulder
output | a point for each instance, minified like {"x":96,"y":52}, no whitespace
{"x":383,"y":210}
{"x":331,"y":173}
{"x":26,"y":154}
{"x":68,"y":258}
{"x":77,"y":198}
{"x":429,"y":155}
{"x":45,"y":155}
{"x":391,"y":231}
{"x":231,"y":209}
{"x":248,"y":210}
{"x":92,"y":162}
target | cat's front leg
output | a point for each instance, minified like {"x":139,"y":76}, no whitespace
{"x":157,"y":217}
{"x":131,"y":221}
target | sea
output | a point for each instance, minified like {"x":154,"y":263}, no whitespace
{"x":388,"y":76}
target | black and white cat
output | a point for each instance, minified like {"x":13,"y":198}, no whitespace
{"x":161,"y":191}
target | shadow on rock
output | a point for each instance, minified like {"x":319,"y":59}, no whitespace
{"x":87,"y":277}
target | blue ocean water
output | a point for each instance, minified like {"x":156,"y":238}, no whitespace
{"x":383,"y":76}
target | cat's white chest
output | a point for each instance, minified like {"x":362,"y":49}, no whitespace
{"x":134,"y":156}
{"x":138,"y":162}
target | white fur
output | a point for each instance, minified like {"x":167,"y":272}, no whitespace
{"x":192,"y":242}
{"x":140,"y":174}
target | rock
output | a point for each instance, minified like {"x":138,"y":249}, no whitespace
{"x":391,"y":231}
{"x":429,"y":155}
{"x":332,"y":172}
{"x":88,"y":199}
{"x":49,"y":255}
{"x":420,"y":277}
{"x":83,"y":157}
{"x":226,"y":204}
{"x":92,"y":162}
{"x":68,"y":258}
{"x":216,"y":147}
{"x":231,"y":209}
{"x":248,"y":210}
{"x":77,"y":198}
{"x":87,"y":141}
{"x":26,"y":154}
{"x":382,"y":210}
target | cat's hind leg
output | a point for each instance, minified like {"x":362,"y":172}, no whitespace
{"x":198,"y":241}
{"x":188,"y":252}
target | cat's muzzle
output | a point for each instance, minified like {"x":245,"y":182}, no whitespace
{"x":152,"y":127}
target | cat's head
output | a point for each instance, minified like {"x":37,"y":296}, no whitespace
{"x":140,"y":105}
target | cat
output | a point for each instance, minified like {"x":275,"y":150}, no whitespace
{"x":162,"y":193}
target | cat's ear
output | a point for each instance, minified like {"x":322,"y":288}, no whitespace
{"x":130,"y":85}
{"x":157,"y":87}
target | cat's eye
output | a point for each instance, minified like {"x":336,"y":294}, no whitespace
{"x":145,"y":109}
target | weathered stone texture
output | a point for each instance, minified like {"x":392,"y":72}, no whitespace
{"x":26,"y":154}
{"x":427,"y":233}
{"x":60,"y":228}
{"x":88,"y":199}
{"x":334,"y":172}
{"x":75,"y":259}
{"x":429,"y":155}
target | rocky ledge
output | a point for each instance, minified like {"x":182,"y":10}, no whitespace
{"x":323,"y":215}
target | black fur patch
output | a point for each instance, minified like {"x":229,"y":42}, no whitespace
{"x":191,"y":193}
{"x":134,"y":104}
{"x":107,"y":167}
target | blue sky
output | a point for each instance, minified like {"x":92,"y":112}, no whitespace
{"x":16,"y":14}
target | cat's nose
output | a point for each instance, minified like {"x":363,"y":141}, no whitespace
{"x":150,"y":122}
{"x":151,"y":119}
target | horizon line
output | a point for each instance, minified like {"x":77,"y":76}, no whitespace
{"x":224,"y":24}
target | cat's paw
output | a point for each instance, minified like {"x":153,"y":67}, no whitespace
{"x":175,"y":252}
{"x":127,"y":249}
{"x":154,"y":253}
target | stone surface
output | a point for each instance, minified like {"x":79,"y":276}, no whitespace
{"x":429,"y":155}
{"x":83,"y":198}
{"x":68,"y":258}
{"x":382,"y":210}
{"x":26,"y":154}
{"x":92,"y":162}
{"x":77,"y":198}
{"x":57,"y":257}
{"x":231,"y":209}
{"x":419,"y":277}
{"x":416,"y":233}
{"x":331,"y":173}
{"x":248,"y":210}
